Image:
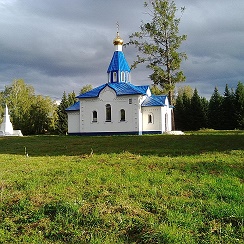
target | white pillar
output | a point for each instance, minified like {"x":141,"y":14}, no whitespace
{"x":6,"y":126}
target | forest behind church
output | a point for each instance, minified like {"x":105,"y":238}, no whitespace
{"x":39,"y":114}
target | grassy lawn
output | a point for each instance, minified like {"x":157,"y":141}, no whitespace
{"x":131,"y":189}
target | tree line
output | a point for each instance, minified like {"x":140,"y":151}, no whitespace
{"x":37,"y":114}
{"x":221,"y":112}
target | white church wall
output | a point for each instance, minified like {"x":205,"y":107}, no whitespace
{"x":152,"y":119}
{"x":166,"y":118}
{"x":74,"y":122}
{"x":129,"y":104}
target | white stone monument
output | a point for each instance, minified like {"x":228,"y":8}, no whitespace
{"x":6,"y":128}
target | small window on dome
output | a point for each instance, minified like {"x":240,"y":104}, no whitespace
{"x":123,"y":76}
{"x":114,"y":77}
{"x":130,"y":100}
{"x":127,"y":76}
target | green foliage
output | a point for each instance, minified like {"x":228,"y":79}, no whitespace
{"x":198,"y":118}
{"x":85,"y":89}
{"x":239,"y":98}
{"x":30,"y":113}
{"x":215,"y":112}
{"x":163,"y":189}
{"x":62,"y":123}
{"x":155,"y":90}
{"x":221,"y":112}
{"x":190,"y":111}
{"x":228,"y":107}
{"x":158,"y":42}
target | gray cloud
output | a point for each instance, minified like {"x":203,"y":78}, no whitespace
{"x":61,"y":45}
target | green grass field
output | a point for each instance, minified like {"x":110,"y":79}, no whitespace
{"x":132,"y":189}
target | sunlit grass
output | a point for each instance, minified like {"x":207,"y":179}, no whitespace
{"x":147,"y":189}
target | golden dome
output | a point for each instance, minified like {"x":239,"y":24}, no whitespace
{"x":118,"y":40}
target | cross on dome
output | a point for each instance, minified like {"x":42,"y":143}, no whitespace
{"x":118,"y":41}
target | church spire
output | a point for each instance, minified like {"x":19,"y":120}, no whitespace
{"x":118,"y":41}
{"x":118,"y":70}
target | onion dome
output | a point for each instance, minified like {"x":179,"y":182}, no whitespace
{"x":118,"y":40}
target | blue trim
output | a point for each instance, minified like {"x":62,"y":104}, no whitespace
{"x":110,"y":133}
{"x":151,"y":132}
{"x":74,"y":107}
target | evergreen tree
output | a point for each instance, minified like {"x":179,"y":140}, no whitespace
{"x":228,"y":108}
{"x":62,"y":126}
{"x":239,"y":105}
{"x":179,"y":113}
{"x":215,"y":113}
{"x":182,"y":112}
{"x":197,"y":117}
{"x":158,"y":42}
{"x":205,"y":105}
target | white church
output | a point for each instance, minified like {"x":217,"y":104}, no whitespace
{"x":118,"y":107}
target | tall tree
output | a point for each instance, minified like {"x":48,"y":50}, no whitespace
{"x":42,"y":115}
{"x":19,"y":97}
{"x":239,"y":112}
{"x":62,"y":124}
{"x":30,"y":113}
{"x":159,"y":41}
{"x":183,"y":111}
{"x":228,"y":108}
{"x":215,"y":113}
{"x":85,"y":89}
{"x":156,"y":90}
{"x":197,"y":119}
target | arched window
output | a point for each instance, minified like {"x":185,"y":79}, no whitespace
{"x":127,"y":76}
{"x":108,"y":77}
{"x":122,"y":115}
{"x":94,"y":116}
{"x":122,"y":76}
{"x":150,"y":118}
{"x":115,"y":77}
{"x":108,"y":112}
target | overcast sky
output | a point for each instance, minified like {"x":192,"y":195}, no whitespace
{"x":62,"y":45}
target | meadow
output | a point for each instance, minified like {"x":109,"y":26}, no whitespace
{"x":123,"y":189}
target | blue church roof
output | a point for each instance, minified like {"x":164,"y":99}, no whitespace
{"x":154,"y":100}
{"x":118,"y":62}
{"x":119,"y":88}
{"x":74,"y":107}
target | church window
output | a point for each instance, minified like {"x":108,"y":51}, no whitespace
{"x":150,"y":118}
{"x":127,"y":76}
{"x":115,"y":77}
{"x":122,"y":115}
{"x":94,"y":116}
{"x":123,"y":76}
{"x":130,"y":100}
{"x":108,"y":113}
{"x":108,"y":77}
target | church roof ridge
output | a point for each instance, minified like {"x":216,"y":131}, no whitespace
{"x":119,"y":88}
